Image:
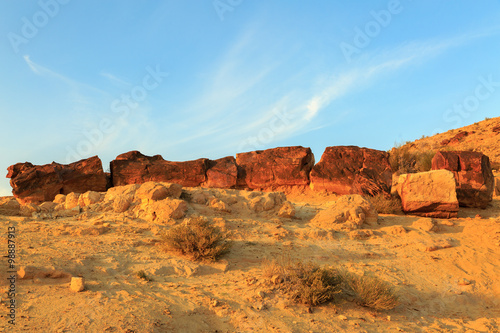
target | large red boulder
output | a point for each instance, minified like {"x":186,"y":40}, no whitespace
{"x":273,"y":168}
{"x":222,"y":173}
{"x":473,"y":176}
{"x":39,"y":183}
{"x":136,"y":168}
{"x":352,"y":170}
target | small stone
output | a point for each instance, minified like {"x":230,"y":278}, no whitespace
{"x":121,"y":204}
{"x":260,"y":307}
{"x":287,"y":210}
{"x":261,"y":294}
{"x":220,"y":205}
{"x":463,"y":282}
{"x":342,"y":317}
{"x":26,"y":272}
{"x":72,"y":200}
{"x":425,"y":224}
{"x":447,"y":223}
{"x":215,"y":303}
{"x":77,"y":284}
{"x":60,"y":199}
{"x":106,"y":225}
{"x":89,"y":198}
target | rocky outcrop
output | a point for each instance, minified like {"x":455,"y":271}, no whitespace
{"x":348,"y":212}
{"x":136,"y":168}
{"x":222,"y":173}
{"x":39,"y":183}
{"x":473,"y":175}
{"x":456,"y":139}
{"x":352,"y":170}
{"x":9,"y":206}
{"x":273,"y":168}
{"x":429,"y":194}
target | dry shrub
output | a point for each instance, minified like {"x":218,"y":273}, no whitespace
{"x":197,"y":240}
{"x":307,"y":284}
{"x":385,"y":204}
{"x":142,"y":275}
{"x":424,"y":160}
{"x":312,"y":285}
{"x":370,"y":291}
{"x":403,"y":160}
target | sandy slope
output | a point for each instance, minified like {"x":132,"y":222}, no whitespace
{"x":483,"y":136}
{"x":224,"y":297}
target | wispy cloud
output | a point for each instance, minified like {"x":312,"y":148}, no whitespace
{"x":31,"y":64}
{"x":116,"y":80}
{"x":384,"y":62}
{"x":44,"y":71}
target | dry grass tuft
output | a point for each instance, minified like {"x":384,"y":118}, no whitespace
{"x":403,"y":160}
{"x":142,"y":275}
{"x":312,"y":285}
{"x":304,"y":283}
{"x":370,"y":291}
{"x":197,"y":240}
{"x":386,"y":204}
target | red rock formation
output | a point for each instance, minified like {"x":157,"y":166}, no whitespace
{"x":222,"y":173}
{"x":136,"y":168}
{"x":473,"y":175}
{"x":38,"y":183}
{"x":352,"y":170}
{"x":272,"y":168}
{"x":456,"y":139}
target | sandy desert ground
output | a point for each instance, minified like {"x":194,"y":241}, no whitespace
{"x":447,"y":280}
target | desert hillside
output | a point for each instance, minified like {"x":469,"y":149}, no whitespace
{"x":483,"y":136}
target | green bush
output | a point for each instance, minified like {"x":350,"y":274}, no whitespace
{"x":196,"y":239}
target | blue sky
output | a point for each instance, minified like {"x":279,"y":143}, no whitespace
{"x":189,"y":79}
